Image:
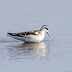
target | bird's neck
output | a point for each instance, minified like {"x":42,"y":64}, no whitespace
{"x":43,"y":32}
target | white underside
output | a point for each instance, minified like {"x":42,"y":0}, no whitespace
{"x":30,"y":38}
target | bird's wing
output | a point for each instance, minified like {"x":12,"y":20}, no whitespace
{"x":29,"y":33}
{"x":22,"y":34}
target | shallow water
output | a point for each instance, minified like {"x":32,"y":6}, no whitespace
{"x":29,"y":50}
{"x":53,"y":54}
{"x":21,"y":51}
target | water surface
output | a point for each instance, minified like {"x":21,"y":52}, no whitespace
{"x":53,"y":54}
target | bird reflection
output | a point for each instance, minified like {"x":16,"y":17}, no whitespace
{"x":28,"y":50}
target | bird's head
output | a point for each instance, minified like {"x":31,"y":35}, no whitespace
{"x":44,"y":28}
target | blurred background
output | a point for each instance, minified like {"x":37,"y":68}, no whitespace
{"x":54,"y":54}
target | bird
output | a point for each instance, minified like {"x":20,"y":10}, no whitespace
{"x":31,"y":36}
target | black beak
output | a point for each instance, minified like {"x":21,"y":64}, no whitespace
{"x":48,"y":34}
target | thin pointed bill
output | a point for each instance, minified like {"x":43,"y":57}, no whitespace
{"x":48,"y":34}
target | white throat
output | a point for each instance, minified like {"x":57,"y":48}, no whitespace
{"x":43,"y":33}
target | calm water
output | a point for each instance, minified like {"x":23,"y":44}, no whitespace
{"x":20,"y":51}
{"x":53,"y":54}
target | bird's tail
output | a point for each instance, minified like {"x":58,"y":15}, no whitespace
{"x":14,"y":34}
{"x":11,"y":34}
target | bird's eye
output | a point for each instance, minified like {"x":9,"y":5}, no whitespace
{"x":46,"y":28}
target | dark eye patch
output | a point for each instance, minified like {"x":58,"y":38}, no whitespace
{"x":46,"y":28}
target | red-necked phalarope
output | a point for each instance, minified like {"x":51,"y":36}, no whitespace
{"x":30,"y":36}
